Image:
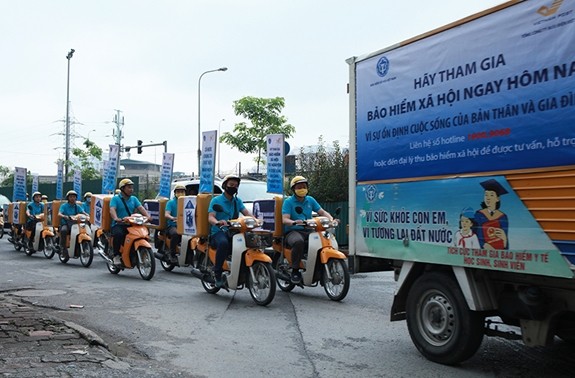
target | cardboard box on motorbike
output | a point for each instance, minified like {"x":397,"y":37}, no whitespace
{"x":157,"y":210}
{"x":17,"y":212}
{"x":100,"y":211}
{"x":193,"y":215}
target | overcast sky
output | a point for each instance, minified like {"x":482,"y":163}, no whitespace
{"x":145,"y":57}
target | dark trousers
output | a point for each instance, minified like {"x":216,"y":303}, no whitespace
{"x":119,"y":232}
{"x":222,"y":241}
{"x":175,"y":238}
{"x":296,"y":241}
{"x":31,"y":226}
{"x":64,"y":232}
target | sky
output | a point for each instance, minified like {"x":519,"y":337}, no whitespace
{"x":145,"y":58}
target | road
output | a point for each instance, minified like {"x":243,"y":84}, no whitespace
{"x":172,"y":321}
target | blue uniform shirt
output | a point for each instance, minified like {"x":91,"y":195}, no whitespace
{"x":308,"y":205}
{"x":228,"y":206}
{"x":172,"y":207}
{"x":35,"y":208}
{"x":133,"y":203}
{"x":86,"y":207}
{"x":69,"y":209}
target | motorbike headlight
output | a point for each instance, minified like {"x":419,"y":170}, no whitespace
{"x":251,"y":222}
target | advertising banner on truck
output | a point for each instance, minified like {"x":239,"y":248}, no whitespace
{"x":504,"y":101}
{"x":476,"y":222}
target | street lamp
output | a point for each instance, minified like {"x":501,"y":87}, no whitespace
{"x":219,"y":124}
{"x":66,"y":163}
{"x":199,"y":136}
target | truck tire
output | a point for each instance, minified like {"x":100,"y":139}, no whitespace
{"x":439,"y":321}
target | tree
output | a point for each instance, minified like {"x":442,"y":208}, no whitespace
{"x":265,"y":117}
{"x":86,"y":157}
{"x":326,"y":171}
{"x":7,"y":176}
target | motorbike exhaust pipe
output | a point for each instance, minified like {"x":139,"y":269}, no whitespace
{"x":158,"y":255}
{"x":202,"y":276}
{"x":103,"y":255}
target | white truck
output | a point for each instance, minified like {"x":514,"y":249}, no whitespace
{"x":462,"y":177}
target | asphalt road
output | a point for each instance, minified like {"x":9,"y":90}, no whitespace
{"x":171,"y":321}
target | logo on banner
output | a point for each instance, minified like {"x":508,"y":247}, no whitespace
{"x":371,"y":193}
{"x":382,"y":66}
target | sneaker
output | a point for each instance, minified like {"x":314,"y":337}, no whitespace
{"x":219,"y":282}
{"x":296,"y":277}
{"x":117,"y":260}
{"x":64,"y":252}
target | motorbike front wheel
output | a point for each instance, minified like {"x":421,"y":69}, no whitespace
{"x":337,"y":287}
{"x":86,"y":253}
{"x":167,"y":266}
{"x":49,"y":249}
{"x":146,"y":263}
{"x":1,"y":230}
{"x":263,"y":289}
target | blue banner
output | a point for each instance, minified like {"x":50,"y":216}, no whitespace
{"x":275,"y":163}
{"x":166,"y":175}
{"x":19,"y":189}
{"x":78,"y":182}
{"x":207,"y":166}
{"x":496,"y":93}
{"x":60,"y":181}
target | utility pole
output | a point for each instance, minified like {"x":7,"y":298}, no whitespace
{"x":117,"y":132}
{"x":67,"y":161}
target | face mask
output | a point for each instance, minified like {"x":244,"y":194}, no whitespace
{"x":88,"y":200}
{"x":231,"y":190}
{"x":301,"y":192}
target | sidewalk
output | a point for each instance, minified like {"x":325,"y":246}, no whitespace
{"x":35,"y":344}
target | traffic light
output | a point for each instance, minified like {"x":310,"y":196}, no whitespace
{"x":139,"y":146}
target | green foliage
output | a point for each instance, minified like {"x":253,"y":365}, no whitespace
{"x":264,"y":115}
{"x":86,"y":157}
{"x":326,"y":171}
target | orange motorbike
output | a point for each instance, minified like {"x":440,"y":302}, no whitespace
{"x":136,"y":250}
{"x":322,"y":263}
{"x":78,"y":242}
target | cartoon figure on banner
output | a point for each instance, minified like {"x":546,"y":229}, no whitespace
{"x":465,"y":237}
{"x":492,"y":223}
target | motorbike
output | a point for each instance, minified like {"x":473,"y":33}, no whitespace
{"x":184,"y":252}
{"x":136,"y":250}
{"x":78,"y":242}
{"x":321,"y":263}
{"x":247,"y":265}
{"x":43,"y":238}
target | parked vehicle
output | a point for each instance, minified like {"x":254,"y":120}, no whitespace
{"x":462,"y":174}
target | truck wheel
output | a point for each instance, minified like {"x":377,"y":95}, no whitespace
{"x":440,"y":324}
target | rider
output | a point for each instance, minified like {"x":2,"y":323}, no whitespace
{"x":67,"y":210}
{"x":44,"y":198}
{"x":172,"y":215}
{"x":293,"y":221}
{"x":86,"y":204}
{"x":121,"y":207}
{"x":232,"y":205}
{"x":34,"y":208}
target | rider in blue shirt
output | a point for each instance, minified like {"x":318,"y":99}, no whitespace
{"x":171,"y":214}
{"x":87,"y":201}
{"x":122,"y":206}
{"x":293,"y":221}
{"x":34,"y":208}
{"x":66,"y":211}
{"x":232,"y":207}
